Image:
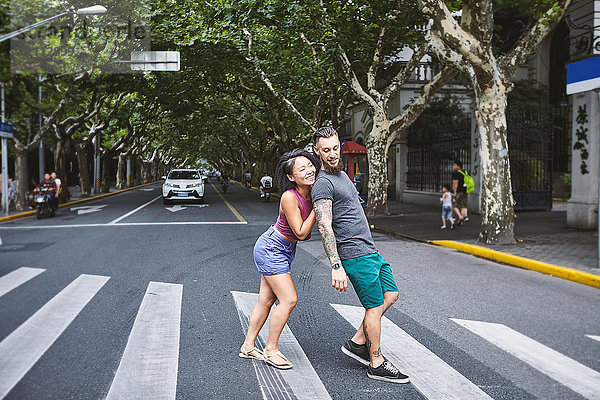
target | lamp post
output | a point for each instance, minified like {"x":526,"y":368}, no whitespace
{"x":93,"y":10}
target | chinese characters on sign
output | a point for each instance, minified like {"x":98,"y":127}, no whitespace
{"x":582,"y":139}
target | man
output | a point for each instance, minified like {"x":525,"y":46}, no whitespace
{"x":49,"y":184}
{"x":58,"y":185}
{"x":265,"y":182}
{"x":348,"y":243}
{"x":248,"y":178}
{"x":460,"y":193}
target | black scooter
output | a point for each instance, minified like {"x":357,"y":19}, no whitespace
{"x":42,"y":204}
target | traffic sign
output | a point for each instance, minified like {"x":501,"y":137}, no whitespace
{"x":6,"y":130}
{"x":583,"y":75}
{"x":155,"y":61}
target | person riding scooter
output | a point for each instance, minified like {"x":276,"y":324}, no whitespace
{"x":50,"y":186}
{"x":266,"y":183}
{"x":224,"y":183}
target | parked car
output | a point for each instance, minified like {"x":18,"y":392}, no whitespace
{"x":183,"y":184}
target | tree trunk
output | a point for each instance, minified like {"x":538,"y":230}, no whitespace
{"x":497,"y":212}
{"x":378,"y":173}
{"x":21,"y":178}
{"x":59,"y":168}
{"x":106,"y":163}
{"x":84,"y":173}
{"x":121,"y":166}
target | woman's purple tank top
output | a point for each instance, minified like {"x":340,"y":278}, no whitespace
{"x":282,"y":225}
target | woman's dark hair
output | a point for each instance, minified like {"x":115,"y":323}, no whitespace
{"x":286,"y":167}
{"x":457,"y":162}
{"x":447,"y":187}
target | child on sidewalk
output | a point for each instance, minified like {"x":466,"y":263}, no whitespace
{"x":446,"y":201}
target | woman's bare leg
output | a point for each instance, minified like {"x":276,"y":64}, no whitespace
{"x":283,"y":287}
{"x":260,"y":313}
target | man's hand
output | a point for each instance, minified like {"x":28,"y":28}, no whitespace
{"x":339,"y":281}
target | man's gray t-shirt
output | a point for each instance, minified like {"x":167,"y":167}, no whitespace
{"x":350,"y":225}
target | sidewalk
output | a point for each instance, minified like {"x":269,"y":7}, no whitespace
{"x":543,"y":235}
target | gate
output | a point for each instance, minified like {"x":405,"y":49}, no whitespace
{"x":433,"y":148}
{"x":530,"y":150}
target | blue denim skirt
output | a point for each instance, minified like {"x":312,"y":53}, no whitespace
{"x":273,"y":254}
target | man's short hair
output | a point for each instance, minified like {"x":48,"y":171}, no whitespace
{"x":457,"y":162}
{"x":323,"y":132}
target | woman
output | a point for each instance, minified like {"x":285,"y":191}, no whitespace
{"x":275,"y":250}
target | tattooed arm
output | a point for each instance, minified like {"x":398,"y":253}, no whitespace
{"x":324,"y":215}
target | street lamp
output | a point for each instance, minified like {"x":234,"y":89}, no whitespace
{"x":93,"y":10}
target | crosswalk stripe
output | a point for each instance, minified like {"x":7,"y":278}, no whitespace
{"x":431,"y":375}
{"x":557,"y":366}
{"x":594,"y":337}
{"x":302,"y":380}
{"x":148,"y":369}
{"x":20,"y":350}
{"x":17,"y":277}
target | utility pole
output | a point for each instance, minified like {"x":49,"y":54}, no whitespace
{"x":41,"y":158}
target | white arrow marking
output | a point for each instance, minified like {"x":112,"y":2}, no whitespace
{"x":198,"y":205}
{"x":557,"y":366}
{"x":175,"y":208}
{"x":147,"y":189}
{"x":594,"y":337}
{"x":88,"y":209}
{"x":179,"y":207}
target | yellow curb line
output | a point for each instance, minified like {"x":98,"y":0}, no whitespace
{"x":72,"y":203}
{"x":233,"y":210}
{"x":522,"y":262}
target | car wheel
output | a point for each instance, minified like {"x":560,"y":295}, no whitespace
{"x":166,"y":202}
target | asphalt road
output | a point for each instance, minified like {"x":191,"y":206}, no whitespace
{"x":128,"y":298}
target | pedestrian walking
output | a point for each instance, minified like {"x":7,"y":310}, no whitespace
{"x":274,"y":252}
{"x":352,"y":253}
{"x":460,"y":193}
{"x":446,"y":201}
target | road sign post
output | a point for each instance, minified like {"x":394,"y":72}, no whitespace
{"x":583,"y":76}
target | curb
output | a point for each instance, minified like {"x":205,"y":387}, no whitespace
{"x":72,"y":203}
{"x":549,"y":269}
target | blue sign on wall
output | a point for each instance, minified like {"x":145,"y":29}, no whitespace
{"x":583,"y":75}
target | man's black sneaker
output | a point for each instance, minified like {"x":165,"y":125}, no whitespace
{"x":359,"y":352}
{"x":466,"y":219}
{"x":388,"y":373}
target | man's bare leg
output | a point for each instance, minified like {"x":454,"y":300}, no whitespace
{"x":389,"y":298}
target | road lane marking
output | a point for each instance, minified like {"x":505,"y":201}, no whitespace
{"x":7,"y":228}
{"x":179,"y":207}
{"x":88,"y":209}
{"x":594,"y":337}
{"x":17,"y":277}
{"x":114,"y":221}
{"x":148,"y":369}
{"x":302,"y":380}
{"x":557,"y":366}
{"x":233,"y":210}
{"x":20,"y":350}
{"x":431,"y":375}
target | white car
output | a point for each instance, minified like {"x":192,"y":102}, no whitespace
{"x":183,"y":184}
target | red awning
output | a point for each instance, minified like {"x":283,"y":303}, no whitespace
{"x":353,"y":148}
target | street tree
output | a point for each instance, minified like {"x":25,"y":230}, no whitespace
{"x":466,"y":44}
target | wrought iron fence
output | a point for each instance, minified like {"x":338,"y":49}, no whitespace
{"x":530,"y":145}
{"x":432,"y":151}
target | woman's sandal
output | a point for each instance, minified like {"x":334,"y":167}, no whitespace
{"x":253,"y":353}
{"x":267,"y":358}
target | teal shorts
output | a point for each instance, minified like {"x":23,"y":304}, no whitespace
{"x":371,"y":277}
